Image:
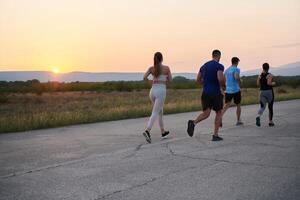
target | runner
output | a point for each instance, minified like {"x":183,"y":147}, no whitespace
{"x":264,"y":81}
{"x":161,"y":74}
{"x":233,"y":91}
{"x":211,"y":75}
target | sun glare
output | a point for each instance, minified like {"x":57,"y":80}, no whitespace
{"x":56,"y":70}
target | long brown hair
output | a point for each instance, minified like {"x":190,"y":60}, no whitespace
{"x":158,"y":58}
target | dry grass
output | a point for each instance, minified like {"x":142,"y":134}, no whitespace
{"x":19,"y":112}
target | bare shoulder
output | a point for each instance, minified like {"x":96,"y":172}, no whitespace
{"x":166,"y":68}
{"x":151,"y":69}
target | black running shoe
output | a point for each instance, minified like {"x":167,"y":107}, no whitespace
{"x":165,"y":134}
{"x":216,"y":138}
{"x":190,"y":129}
{"x":271,"y":124}
{"x":147,"y":135}
{"x":239,"y":123}
{"x":258,"y":121}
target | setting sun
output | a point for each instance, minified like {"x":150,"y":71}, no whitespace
{"x":56,"y":70}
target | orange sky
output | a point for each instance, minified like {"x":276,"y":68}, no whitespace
{"x":122,"y":35}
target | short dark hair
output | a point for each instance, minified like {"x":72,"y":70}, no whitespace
{"x":235,"y":60}
{"x":216,"y":53}
{"x":266,"y":67}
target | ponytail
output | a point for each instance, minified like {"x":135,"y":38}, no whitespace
{"x":157,"y":62}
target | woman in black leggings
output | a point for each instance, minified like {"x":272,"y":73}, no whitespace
{"x":264,"y":81}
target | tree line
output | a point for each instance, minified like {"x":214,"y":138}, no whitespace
{"x":179,"y":82}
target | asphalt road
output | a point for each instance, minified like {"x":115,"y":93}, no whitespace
{"x":111,"y":160}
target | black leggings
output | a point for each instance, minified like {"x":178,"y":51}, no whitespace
{"x":270,"y":106}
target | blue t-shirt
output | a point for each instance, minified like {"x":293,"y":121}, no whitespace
{"x":232,"y":85}
{"x":209,"y":75}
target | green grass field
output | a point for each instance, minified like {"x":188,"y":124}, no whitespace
{"x":20,"y":112}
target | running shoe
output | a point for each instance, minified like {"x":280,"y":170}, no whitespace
{"x":165,"y":134}
{"x":239,"y":123}
{"x":216,"y":138}
{"x":271,"y":124}
{"x":147,"y":135}
{"x":258,"y":121}
{"x":190,"y":129}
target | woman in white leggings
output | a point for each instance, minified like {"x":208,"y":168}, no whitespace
{"x":161,"y":74}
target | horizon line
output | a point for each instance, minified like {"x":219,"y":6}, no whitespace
{"x":290,"y":63}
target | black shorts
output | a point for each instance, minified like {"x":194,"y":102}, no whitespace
{"x":214,"y":102}
{"x":236,"y":97}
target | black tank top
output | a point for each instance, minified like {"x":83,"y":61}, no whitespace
{"x":264,"y":82}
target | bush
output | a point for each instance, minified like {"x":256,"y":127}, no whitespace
{"x":281,"y":91}
{"x":3,"y":99}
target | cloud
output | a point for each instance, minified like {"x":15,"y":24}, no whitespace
{"x":286,"y":45}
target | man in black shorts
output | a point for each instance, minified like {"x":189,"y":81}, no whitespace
{"x":211,"y":75}
{"x":233,"y":91}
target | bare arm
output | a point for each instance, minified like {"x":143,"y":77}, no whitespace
{"x":199,"y":78}
{"x":221,"y":79}
{"x":169,"y":76}
{"x":258,"y":81}
{"x":148,"y":72}
{"x":237,"y":78}
{"x":269,"y":79}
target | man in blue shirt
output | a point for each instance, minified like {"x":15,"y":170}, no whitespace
{"x":233,"y":91}
{"x":211,"y":75}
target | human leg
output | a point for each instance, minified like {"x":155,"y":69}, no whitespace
{"x":157,"y":108}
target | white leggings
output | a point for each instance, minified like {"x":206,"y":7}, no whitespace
{"x":157,"y":96}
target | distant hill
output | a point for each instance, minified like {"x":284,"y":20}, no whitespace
{"x":45,"y":76}
{"x":292,"y":69}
